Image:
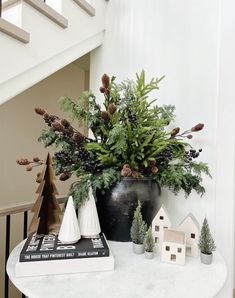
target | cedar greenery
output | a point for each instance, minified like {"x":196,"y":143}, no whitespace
{"x":130,"y":138}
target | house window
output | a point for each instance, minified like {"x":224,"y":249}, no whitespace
{"x":179,"y":249}
{"x":157,"y":228}
{"x":193,"y":236}
{"x":173,"y":258}
{"x":165,"y":228}
{"x":161,"y":217}
{"x":167,"y":248}
{"x":156,"y":240}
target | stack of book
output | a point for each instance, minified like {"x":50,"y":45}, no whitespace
{"x":47,"y":255}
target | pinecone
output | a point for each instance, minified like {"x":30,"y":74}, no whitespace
{"x":105,"y":80}
{"x":197,"y":127}
{"x":64,"y":176}
{"x":189,"y":136}
{"x":126,"y":172}
{"x":175,"y":131}
{"x":135,"y":174}
{"x":154,"y":170}
{"x":40,"y":111}
{"x":112,"y":108}
{"x":36,"y":159}
{"x":105,"y":115}
{"x":79,"y":138}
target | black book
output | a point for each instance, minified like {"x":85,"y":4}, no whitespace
{"x":50,"y":248}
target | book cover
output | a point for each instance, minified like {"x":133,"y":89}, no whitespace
{"x":49,"y":247}
{"x":68,"y":266}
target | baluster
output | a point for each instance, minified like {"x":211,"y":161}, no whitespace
{"x":25,"y":224}
{"x":7,"y":250}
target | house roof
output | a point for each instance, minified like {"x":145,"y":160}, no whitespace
{"x":194,"y":220}
{"x":174,"y":236}
{"x":165,"y":211}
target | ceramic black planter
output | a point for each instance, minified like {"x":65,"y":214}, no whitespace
{"x":116,"y":206}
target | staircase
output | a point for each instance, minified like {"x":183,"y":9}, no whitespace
{"x":39,"y":37}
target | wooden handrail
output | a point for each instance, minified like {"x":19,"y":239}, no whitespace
{"x":23,"y":207}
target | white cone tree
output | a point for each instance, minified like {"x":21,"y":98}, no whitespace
{"x":88,"y":218}
{"x":69,"y":230}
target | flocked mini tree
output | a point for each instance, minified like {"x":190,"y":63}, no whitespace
{"x":46,"y":219}
{"x":149,"y":241}
{"x":139,"y":227}
{"x":206,"y":242}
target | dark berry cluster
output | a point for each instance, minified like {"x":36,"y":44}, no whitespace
{"x":63,"y":157}
{"x":165,"y":157}
{"x":131,"y":116}
{"x":191,"y":154}
{"x":86,"y":161}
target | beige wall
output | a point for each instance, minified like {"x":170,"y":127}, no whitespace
{"x":19,"y":130}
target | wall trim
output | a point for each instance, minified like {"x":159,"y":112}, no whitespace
{"x":14,"y":31}
{"x":86,"y":6}
{"x":48,"y":12}
{"x":9,"y":3}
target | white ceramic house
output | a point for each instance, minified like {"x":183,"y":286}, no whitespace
{"x":160,"y":223}
{"x":191,"y":228}
{"x":173,"y":247}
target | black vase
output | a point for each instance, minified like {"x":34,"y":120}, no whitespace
{"x":116,"y":206}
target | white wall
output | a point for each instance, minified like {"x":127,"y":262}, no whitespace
{"x":181,"y":39}
{"x":50,"y":47}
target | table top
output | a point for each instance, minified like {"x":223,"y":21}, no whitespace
{"x":134,"y":277}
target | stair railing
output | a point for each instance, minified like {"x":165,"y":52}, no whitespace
{"x":7,"y":212}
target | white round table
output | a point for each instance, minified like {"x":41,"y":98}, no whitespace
{"x":134,"y":277}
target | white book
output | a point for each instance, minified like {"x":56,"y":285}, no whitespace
{"x":64,"y":266}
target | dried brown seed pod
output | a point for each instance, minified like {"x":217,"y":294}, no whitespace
{"x":175,"y":131}
{"x":38,"y":179}
{"x":79,"y":137}
{"x":56,"y":126}
{"x":197,"y":127}
{"x":102,"y":89}
{"x":105,"y":115}
{"x":23,"y":161}
{"x":29,"y":168}
{"x":36,"y":159}
{"x":105,"y":80}
{"x":64,"y":176}
{"x":112,"y":108}
{"x":65,"y":123}
{"x":189,"y":136}
{"x":40,"y":111}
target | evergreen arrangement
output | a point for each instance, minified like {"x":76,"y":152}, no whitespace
{"x":131,"y":137}
{"x":139,"y":227}
{"x":149,"y":241}
{"x":206,"y":241}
